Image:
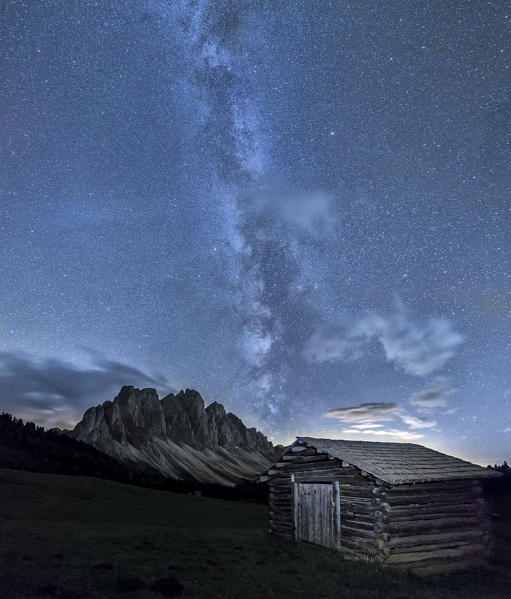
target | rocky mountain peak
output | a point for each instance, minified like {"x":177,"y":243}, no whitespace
{"x":174,"y":434}
{"x":216,"y":410}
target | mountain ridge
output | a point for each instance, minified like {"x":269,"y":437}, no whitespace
{"x":177,"y":435}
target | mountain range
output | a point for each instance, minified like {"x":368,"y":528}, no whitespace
{"x":178,"y":436}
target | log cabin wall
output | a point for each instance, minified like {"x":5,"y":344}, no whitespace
{"x":426,"y":527}
{"x":362,"y":505}
{"x":435,"y":528}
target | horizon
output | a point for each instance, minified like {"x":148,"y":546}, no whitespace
{"x":300,"y":210}
{"x":285,"y":443}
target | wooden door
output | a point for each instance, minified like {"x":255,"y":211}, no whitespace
{"x":317,"y":513}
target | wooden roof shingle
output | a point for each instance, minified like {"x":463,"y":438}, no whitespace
{"x":399,"y":463}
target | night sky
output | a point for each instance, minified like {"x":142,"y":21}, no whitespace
{"x":298,"y":207}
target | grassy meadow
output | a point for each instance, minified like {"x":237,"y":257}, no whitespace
{"x":73,"y":537}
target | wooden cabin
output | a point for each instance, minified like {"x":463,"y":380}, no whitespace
{"x":399,"y":504}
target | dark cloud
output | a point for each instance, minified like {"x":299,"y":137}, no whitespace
{"x":50,"y":390}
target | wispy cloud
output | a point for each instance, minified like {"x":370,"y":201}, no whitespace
{"x":312,"y":213}
{"x":435,"y":395}
{"x":371,"y":412}
{"x":415,"y":422}
{"x":395,"y":434}
{"x":336,"y":344}
{"x":419,"y":346}
{"x":54,"y":392}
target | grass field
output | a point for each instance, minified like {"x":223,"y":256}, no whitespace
{"x":73,"y":537}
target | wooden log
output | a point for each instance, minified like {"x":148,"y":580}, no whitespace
{"x":436,"y":489}
{"x":281,"y":507}
{"x":282,"y":480}
{"x":301,"y":449}
{"x":281,"y":491}
{"x":355,"y":522}
{"x":278,"y":526}
{"x":435,"y":516}
{"x":411,"y":510}
{"x":432,"y":525}
{"x":281,"y":522}
{"x":273,"y":488}
{"x":281,"y":496}
{"x":450,"y":567}
{"x":353,"y":489}
{"x":324,"y":467}
{"x":352,"y":531}
{"x":437,"y":547}
{"x":456,"y":487}
{"x":359,"y":507}
{"x":434,"y":554}
{"x":287,"y":517}
{"x":422,"y":499}
{"x":303,"y":466}
{"x":360,"y":546}
{"x":304,"y":459}
{"x":357,"y":516}
{"x":409,"y":538}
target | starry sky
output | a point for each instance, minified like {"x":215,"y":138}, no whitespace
{"x":298,"y":207}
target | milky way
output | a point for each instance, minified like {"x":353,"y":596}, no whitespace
{"x":299,"y":208}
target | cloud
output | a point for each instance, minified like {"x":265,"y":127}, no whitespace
{"x":450,"y":411}
{"x":435,"y":395}
{"x":418,"y":346}
{"x":367,"y":415}
{"x":311,"y":213}
{"x":335,"y":344}
{"x":364,"y":412}
{"x":415,"y":422}
{"x":54,"y":392}
{"x":396,"y":434}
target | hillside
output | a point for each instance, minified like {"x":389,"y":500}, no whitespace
{"x":25,"y":446}
{"x":84,"y":538}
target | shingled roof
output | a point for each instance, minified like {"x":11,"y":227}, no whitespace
{"x":399,"y":463}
